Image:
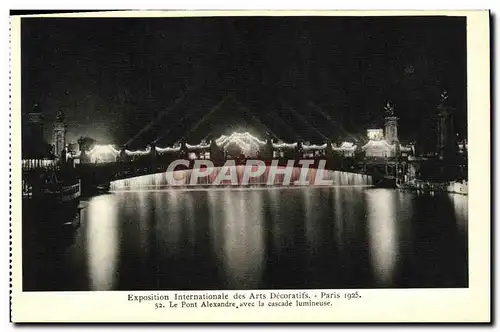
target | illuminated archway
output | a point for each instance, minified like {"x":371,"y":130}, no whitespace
{"x":247,"y":144}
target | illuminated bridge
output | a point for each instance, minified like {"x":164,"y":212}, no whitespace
{"x":368,"y":159}
{"x":345,"y":164}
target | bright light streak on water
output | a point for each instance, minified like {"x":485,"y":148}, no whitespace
{"x":159,"y":180}
{"x":382,"y":220}
{"x":243,"y":241}
{"x":102,"y":242}
{"x":346,"y":236}
{"x":460,"y":204}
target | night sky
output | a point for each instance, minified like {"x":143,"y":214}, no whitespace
{"x":114,"y":76}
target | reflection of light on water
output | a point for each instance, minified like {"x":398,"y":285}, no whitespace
{"x":143,"y":209}
{"x":306,"y":198}
{"x":102,"y":242}
{"x":405,"y":213}
{"x":172,"y":231}
{"x":243,"y":241}
{"x":278,"y":229}
{"x":382,"y":232}
{"x":310,"y":201}
{"x":214,"y":220}
{"x":339,"y":218}
{"x":460,"y":205}
{"x":189,"y":209}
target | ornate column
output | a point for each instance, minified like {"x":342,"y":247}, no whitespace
{"x":391,"y":124}
{"x":446,"y":141}
{"x":59,"y":134}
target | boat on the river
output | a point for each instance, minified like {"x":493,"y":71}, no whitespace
{"x":61,"y":192}
{"x":52,"y":201}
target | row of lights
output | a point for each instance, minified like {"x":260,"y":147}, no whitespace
{"x":245,"y":141}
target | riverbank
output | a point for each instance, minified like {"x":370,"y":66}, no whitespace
{"x":452,"y":187}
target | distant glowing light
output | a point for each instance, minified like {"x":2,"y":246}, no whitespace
{"x":375,"y":134}
{"x":249,"y":144}
{"x":138,"y":152}
{"x":379,"y":149}
{"x":200,"y":146}
{"x":406,"y":148}
{"x":346,"y":146}
{"x":314,"y":147}
{"x":378,"y":145}
{"x":246,"y":136}
{"x":283,"y":145}
{"x":168,"y":149}
{"x":103,"y":150}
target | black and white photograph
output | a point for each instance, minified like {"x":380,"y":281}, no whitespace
{"x":250,"y":166}
{"x":244,"y":153}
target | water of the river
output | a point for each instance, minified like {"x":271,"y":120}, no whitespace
{"x":267,"y":238}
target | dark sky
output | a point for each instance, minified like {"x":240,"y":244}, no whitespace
{"x":113,"y":76}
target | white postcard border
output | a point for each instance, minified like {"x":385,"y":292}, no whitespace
{"x":382,"y":305}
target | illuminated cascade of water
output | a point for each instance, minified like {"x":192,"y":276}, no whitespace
{"x":185,"y":178}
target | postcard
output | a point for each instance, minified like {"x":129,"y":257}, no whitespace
{"x":250,"y":166}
